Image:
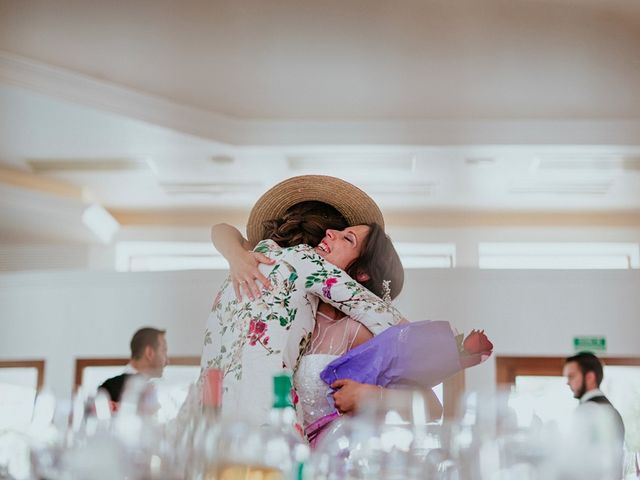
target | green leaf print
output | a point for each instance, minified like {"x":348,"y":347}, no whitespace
{"x":262,"y":248}
{"x":314,"y":278}
{"x":293,"y":277}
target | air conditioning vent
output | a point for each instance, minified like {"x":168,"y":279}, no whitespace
{"x":578,"y":164}
{"x":356,"y":161}
{"x":561,"y":188}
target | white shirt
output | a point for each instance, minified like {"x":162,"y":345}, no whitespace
{"x":130,"y":369}
{"x":591,"y":394}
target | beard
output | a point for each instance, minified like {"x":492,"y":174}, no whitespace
{"x":580,"y":391}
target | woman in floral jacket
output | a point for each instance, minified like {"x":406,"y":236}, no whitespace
{"x":252,"y":340}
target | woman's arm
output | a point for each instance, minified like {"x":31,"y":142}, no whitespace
{"x":351,"y":394}
{"x":228,"y":240}
{"x":334,"y":286}
{"x":243,"y":264}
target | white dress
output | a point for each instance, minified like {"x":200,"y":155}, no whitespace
{"x":331,"y":338}
{"x":313,"y":394}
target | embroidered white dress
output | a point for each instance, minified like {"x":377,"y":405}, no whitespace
{"x":313,"y":394}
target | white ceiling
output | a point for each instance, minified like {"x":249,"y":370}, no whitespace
{"x":494,"y":104}
{"x":349,"y":60}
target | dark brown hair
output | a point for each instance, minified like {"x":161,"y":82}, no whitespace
{"x":304,"y":222}
{"x":380,"y":261}
{"x":143,"y":338}
{"x":588,"y":362}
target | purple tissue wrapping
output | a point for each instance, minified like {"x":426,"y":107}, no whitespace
{"x":419,"y":354}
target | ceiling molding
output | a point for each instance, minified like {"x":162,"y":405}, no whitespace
{"x":21,"y":179}
{"x":412,"y":218}
{"x":82,"y":89}
{"x":180,"y":218}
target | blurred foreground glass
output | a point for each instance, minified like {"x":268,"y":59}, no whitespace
{"x":274,"y":451}
{"x":246,"y":452}
{"x":498,"y":435}
{"x":390,"y":438}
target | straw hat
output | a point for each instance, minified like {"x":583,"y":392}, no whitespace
{"x":356,"y":206}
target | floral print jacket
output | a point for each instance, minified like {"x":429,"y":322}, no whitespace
{"x":252,"y":340}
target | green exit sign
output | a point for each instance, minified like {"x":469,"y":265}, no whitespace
{"x":589,"y":344}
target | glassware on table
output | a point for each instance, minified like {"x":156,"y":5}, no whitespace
{"x":202,"y":441}
{"x":498,"y":435}
{"x":274,"y":451}
{"x":46,"y":440}
{"x":390,"y":438}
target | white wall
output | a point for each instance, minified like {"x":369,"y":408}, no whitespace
{"x":529,"y":312}
{"x":60,"y":316}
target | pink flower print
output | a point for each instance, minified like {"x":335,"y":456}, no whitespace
{"x":257,"y":330}
{"x":328,"y":283}
{"x":259,"y":326}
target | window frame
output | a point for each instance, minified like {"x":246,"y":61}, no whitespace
{"x":82,"y":363}
{"x":509,"y":367}
{"x":38,"y":364}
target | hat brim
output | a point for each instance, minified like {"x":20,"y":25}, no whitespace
{"x":356,"y":206}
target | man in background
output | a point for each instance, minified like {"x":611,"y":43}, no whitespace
{"x":148,"y":358}
{"x":584,"y":374}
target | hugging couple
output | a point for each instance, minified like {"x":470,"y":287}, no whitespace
{"x":310,"y":292}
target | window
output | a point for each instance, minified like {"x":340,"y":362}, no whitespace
{"x":19,"y":383}
{"x":561,"y":256}
{"x":540,"y":379}
{"x":164,"y":256}
{"x":426,"y":255}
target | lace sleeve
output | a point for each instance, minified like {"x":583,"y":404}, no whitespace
{"x":333,"y":336}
